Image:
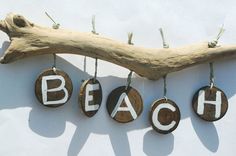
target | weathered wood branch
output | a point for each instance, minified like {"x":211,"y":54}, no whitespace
{"x":28,"y":39}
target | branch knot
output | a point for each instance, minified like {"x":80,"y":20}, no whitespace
{"x":19,"y":21}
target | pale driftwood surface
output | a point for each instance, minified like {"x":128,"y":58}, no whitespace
{"x":28,"y":39}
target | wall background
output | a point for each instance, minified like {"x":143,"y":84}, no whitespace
{"x":28,"y":128}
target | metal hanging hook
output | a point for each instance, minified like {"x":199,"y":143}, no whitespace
{"x":54,"y":26}
{"x":165,"y":45}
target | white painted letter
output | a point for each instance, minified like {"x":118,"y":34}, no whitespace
{"x":155,"y":117}
{"x":45,"y":89}
{"x":202,"y":102}
{"x":89,"y":88}
{"x":129,"y":107}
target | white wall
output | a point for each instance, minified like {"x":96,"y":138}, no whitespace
{"x":28,"y":128}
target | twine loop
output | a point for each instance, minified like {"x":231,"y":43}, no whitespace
{"x":129,"y":79}
{"x":54,"y":26}
{"x":212,"y":78}
{"x":165,"y":45}
{"x":214,"y":42}
{"x":96,"y":60}
{"x":96,"y":68}
{"x":130,"y":36}
{"x":93,"y":26}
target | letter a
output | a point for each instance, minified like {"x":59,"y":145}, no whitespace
{"x":202,"y":102}
{"x":45,"y":90}
{"x":129,"y":107}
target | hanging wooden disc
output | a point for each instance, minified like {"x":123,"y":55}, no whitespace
{"x":55,"y":84}
{"x":168,"y":112}
{"x":205,"y":100}
{"x":129,"y":99}
{"x":95,"y":95}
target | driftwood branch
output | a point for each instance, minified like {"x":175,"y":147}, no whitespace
{"x":28,"y":39}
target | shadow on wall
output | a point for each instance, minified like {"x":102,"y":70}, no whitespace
{"x":206,"y":132}
{"x":162,"y":144}
{"x":51,"y":122}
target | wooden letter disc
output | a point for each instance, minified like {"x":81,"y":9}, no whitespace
{"x":164,"y":116}
{"x":53,"y":88}
{"x":90,"y":97}
{"x":210,"y":104}
{"x":124,"y":105}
